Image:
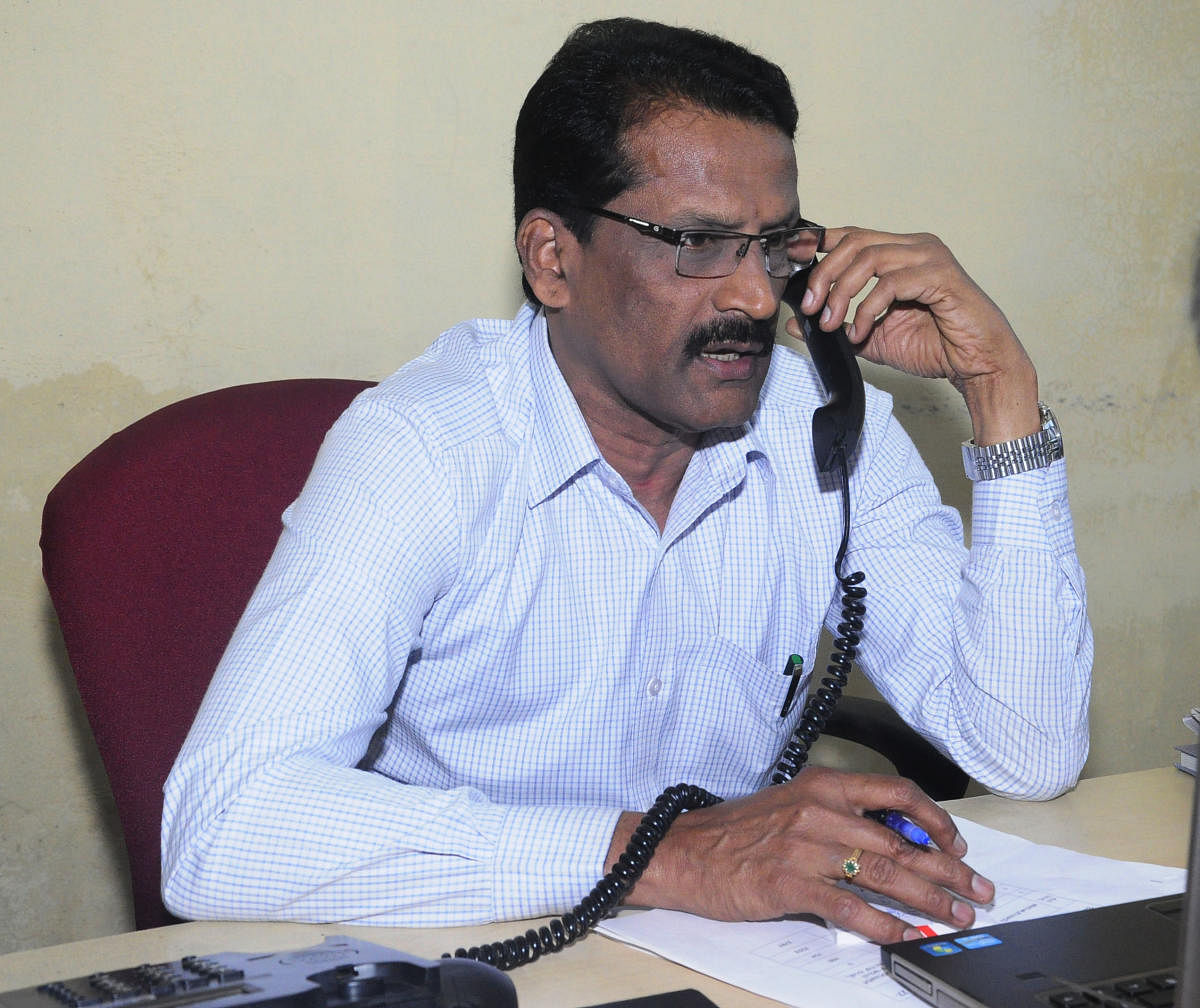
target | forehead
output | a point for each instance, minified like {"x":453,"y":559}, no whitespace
{"x":693,"y":161}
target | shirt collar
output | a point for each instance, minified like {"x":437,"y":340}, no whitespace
{"x":564,"y":447}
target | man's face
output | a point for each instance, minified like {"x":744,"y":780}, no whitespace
{"x":645,"y":351}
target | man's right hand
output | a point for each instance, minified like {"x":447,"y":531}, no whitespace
{"x":781,"y":850}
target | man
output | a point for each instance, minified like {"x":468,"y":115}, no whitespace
{"x":556,"y":564}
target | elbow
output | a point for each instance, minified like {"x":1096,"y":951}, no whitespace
{"x":180,"y":897}
{"x":187,"y":886}
{"x":1049,"y":766}
{"x":1043,"y":788}
{"x":192,"y":891}
{"x":176,"y":901}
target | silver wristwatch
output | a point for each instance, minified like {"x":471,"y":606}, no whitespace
{"x":1034,"y":451}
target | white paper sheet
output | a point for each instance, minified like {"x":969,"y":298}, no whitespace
{"x":808,"y":965}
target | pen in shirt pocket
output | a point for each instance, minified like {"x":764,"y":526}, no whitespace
{"x":793,"y":669}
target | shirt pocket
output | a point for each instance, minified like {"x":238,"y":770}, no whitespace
{"x":725,"y":716}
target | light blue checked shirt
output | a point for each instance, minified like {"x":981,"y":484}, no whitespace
{"x":473,"y":648}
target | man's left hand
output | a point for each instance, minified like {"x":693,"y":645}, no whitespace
{"x":925,"y":316}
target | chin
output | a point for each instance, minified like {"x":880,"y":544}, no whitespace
{"x":736,"y":410}
{"x":725,"y":419}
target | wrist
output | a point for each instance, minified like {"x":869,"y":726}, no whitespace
{"x":649,"y":889}
{"x":1002,"y":407}
{"x":670,"y":874}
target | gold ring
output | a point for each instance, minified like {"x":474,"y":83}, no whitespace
{"x":851,"y":867}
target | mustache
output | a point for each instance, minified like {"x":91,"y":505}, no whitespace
{"x":757,"y":333}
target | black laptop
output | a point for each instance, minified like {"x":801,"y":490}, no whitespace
{"x":1131,"y":954}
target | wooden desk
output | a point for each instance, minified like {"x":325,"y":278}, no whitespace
{"x":1138,"y":816}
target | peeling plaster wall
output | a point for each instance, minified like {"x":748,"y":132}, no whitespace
{"x":195,"y":195}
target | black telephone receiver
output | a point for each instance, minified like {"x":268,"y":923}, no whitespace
{"x":837,"y":424}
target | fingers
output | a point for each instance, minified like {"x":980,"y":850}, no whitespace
{"x":936,"y":883}
{"x":905,"y":268}
{"x":845,"y":909}
{"x":905,"y":797}
{"x":920,"y":313}
{"x":933,"y":884}
{"x":862,"y":792}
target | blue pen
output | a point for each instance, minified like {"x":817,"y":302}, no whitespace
{"x":894,"y":821}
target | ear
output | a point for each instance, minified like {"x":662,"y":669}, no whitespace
{"x":540,"y":239}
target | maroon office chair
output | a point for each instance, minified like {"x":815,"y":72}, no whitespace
{"x":151,"y":547}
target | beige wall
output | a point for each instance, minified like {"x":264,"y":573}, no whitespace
{"x":199,"y":194}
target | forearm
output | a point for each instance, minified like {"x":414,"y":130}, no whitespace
{"x":1027,"y":639}
{"x":992,"y":659}
{"x":674,"y":878}
{"x":310,"y":841}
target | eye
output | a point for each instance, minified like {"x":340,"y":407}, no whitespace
{"x":780,"y":239}
{"x":699,"y":241}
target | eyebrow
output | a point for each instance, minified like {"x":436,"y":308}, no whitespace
{"x":706,"y":223}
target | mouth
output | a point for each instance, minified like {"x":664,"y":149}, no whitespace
{"x":728,"y":355}
{"x":728,"y":341}
{"x":738,"y":363}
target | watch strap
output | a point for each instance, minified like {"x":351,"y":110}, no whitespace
{"x":1023,"y":454}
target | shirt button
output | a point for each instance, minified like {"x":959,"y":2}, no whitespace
{"x":654,"y":686}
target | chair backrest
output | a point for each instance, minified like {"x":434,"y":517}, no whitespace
{"x":151,"y":547}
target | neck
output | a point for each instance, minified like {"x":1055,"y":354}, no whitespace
{"x":652,"y":467}
{"x":648,"y":454}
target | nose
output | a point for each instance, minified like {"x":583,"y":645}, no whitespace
{"x":750,"y":289}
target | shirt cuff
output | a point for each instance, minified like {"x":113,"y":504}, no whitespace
{"x":1028,"y":510}
{"x":549,"y":857}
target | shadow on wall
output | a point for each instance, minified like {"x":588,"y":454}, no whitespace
{"x":1196,"y":293}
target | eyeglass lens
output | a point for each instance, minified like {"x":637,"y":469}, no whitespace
{"x":704,"y":254}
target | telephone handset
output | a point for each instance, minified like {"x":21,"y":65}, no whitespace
{"x":835,"y":430}
{"x":837,"y":424}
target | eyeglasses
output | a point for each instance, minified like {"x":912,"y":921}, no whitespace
{"x":709,"y":255}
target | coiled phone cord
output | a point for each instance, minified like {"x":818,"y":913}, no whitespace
{"x":608,"y":893}
{"x":845,"y":646}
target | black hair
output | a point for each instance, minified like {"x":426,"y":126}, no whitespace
{"x":613,"y":75}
